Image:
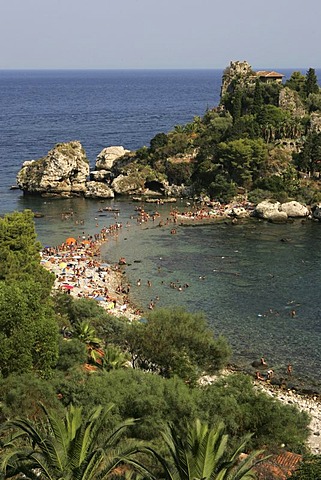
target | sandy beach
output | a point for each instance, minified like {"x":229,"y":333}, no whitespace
{"x":80,"y":272}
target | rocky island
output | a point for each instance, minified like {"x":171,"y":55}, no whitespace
{"x":261,"y":142}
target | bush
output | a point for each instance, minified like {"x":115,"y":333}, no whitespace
{"x":244,"y":410}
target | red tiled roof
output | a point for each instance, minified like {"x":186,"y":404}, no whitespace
{"x":278,"y":467}
{"x":265,"y":73}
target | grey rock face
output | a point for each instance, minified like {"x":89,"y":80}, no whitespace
{"x":127,"y":184}
{"x":98,"y":190}
{"x":106,"y":158}
{"x":63,"y":172}
{"x":270,"y":211}
{"x":294,"y":209}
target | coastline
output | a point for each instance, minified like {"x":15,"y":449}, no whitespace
{"x":309,"y":403}
{"x":80,"y":271}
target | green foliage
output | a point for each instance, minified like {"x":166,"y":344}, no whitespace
{"x":309,"y":159}
{"x":21,"y":395}
{"x":202,"y":454}
{"x":66,"y":448}
{"x":242,"y":159}
{"x":274,"y":123}
{"x":86,"y":333}
{"x":179,"y":173}
{"x":28,"y":330}
{"x":175,"y":342}
{"x":114,"y":358}
{"x":314,"y":102}
{"x":160,"y":140}
{"x":222,"y":189}
{"x":134,"y":393}
{"x":72,"y":353}
{"x":244,"y":410}
{"x":258,"y":100}
{"x":77,"y":310}
{"x":309,"y":469}
{"x":244,"y":127}
{"x":311,"y":82}
{"x":297,"y":82}
{"x":19,"y":251}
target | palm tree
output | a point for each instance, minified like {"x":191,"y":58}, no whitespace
{"x":66,"y":449}
{"x":202,"y":455}
{"x":86,"y":333}
{"x":114,"y":358}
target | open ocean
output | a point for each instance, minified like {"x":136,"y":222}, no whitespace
{"x":245,"y":278}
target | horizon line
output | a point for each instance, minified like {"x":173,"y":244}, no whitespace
{"x":139,"y":68}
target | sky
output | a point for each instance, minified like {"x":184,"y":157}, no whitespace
{"x":156,"y":34}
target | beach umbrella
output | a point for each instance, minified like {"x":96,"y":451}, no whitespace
{"x":70,"y":240}
{"x":68,"y":287}
{"x":62,"y":264}
{"x":100,"y":298}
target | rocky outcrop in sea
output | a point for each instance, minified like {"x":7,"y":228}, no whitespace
{"x":65,"y":172}
{"x":277,"y":212}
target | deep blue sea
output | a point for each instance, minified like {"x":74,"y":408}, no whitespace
{"x":246,"y":278}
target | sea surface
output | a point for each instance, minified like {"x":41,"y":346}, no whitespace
{"x":246,"y":278}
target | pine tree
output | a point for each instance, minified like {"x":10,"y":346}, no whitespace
{"x":311,"y":82}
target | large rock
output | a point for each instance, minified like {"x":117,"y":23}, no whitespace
{"x":98,"y":190}
{"x":294,"y":209}
{"x":270,"y":211}
{"x":316,"y":212}
{"x":100,"y":175}
{"x":290,"y":101}
{"x":106,"y":158}
{"x":62,"y":172}
{"x":128,"y":184}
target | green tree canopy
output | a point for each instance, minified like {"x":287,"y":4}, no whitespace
{"x":176,"y":342}
{"x":244,"y":409}
{"x":297,"y":82}
{"x":242,"y":159}
{"x":20,"y":251}
{"x":309,"y":469}
{"x":311,"y":82}
{"x":28,"y":329}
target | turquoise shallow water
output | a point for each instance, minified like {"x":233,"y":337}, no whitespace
{"x":247,"y":268}
{"x":246,"y":278}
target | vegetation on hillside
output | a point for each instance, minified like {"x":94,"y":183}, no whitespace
{"x":263,"y":139}
{"x":52,"y":420}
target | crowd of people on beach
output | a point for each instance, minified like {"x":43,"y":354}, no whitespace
{"x":80,"y":272}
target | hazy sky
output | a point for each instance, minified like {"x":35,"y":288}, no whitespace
{"x":159,"y":33}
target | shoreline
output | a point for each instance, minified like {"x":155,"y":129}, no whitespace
{"x":81,"y":273}
{"x":309,"y":403}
